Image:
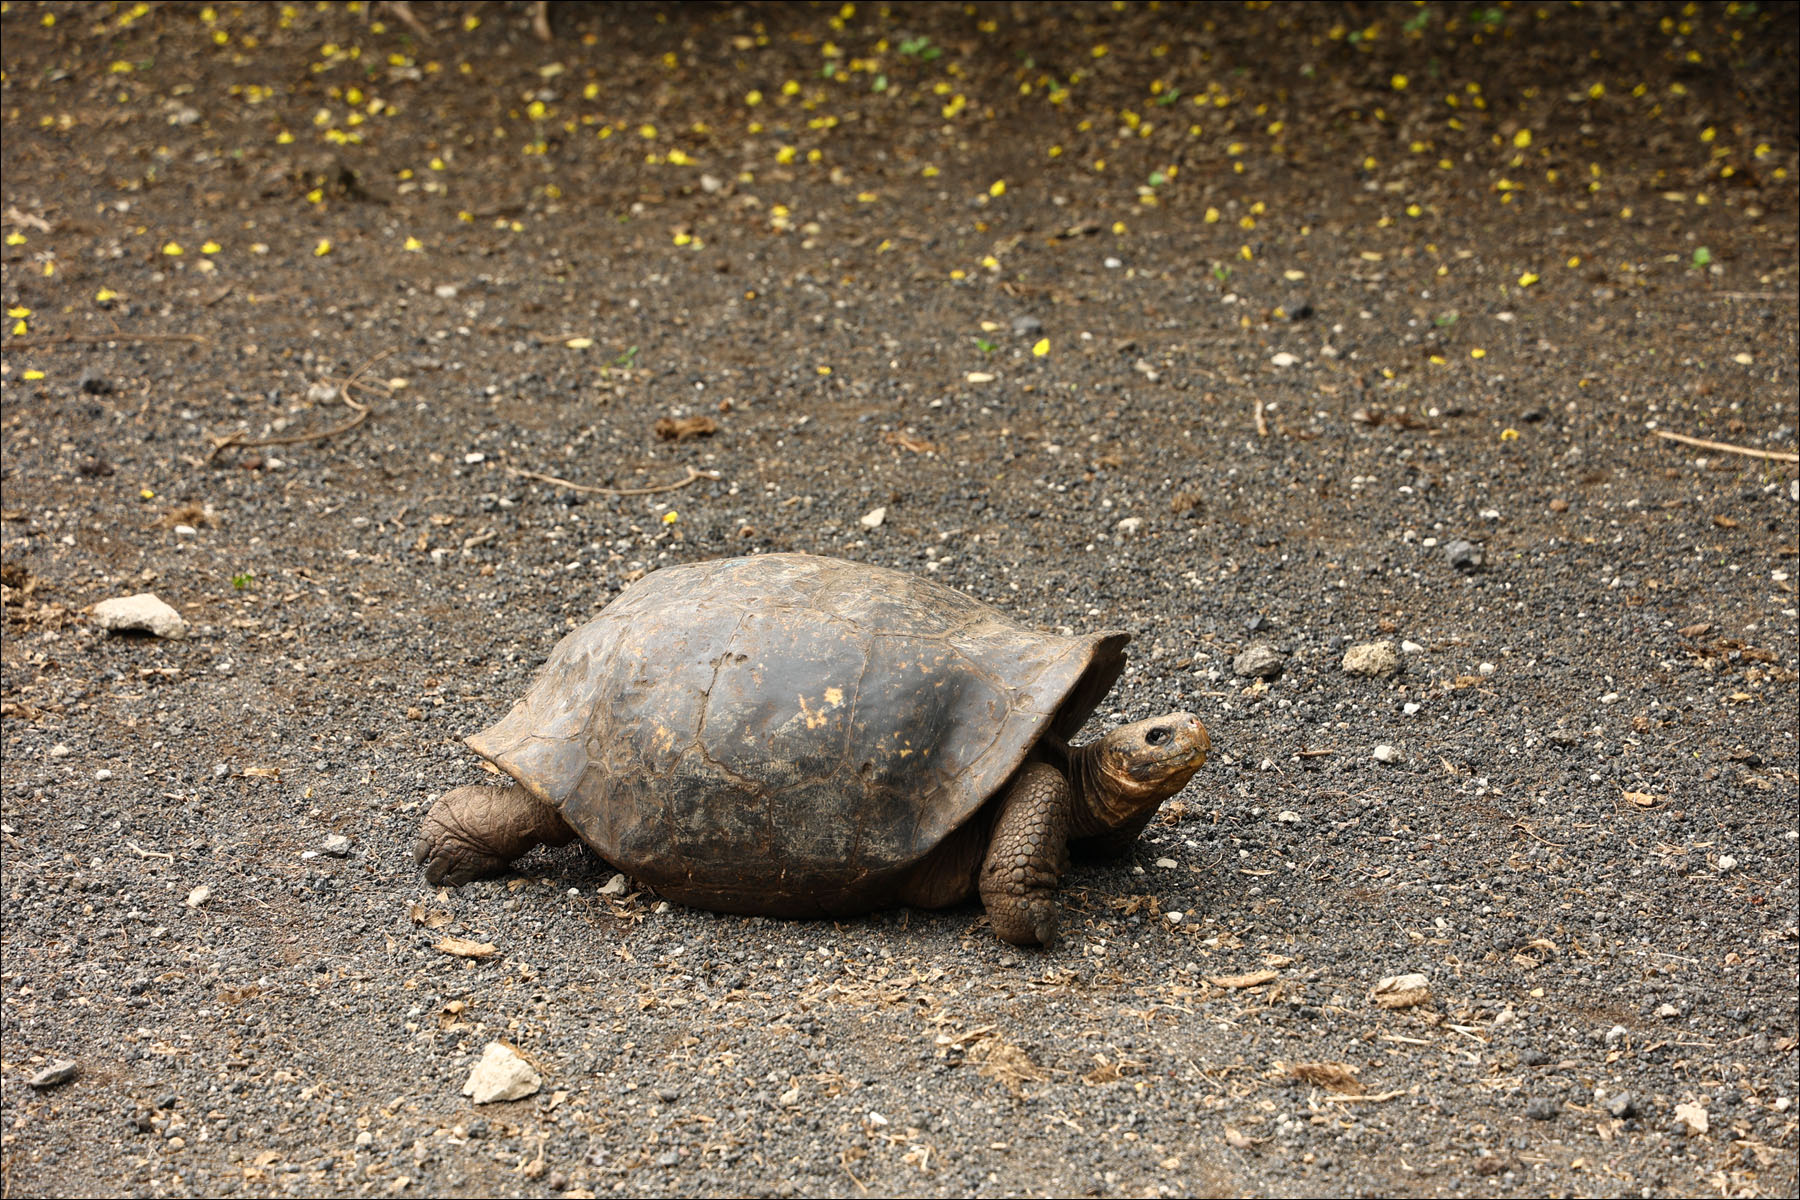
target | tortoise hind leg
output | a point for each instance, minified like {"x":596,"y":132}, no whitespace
{"x":474,"y":832}
{"x":1025,"y":857}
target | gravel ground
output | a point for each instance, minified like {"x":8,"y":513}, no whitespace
{"x":1263,"y":333}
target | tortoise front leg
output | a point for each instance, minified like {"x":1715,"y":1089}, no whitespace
{"x":474,"y":832}
{"x":1025,"y":856}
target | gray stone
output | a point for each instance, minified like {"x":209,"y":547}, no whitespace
{"x":58,"y":1072}
{"x":1543,"y":1108}
{"x":1464,"y":555}
{"x":1259,"y":660}
{"x":337,"y":845}
{"x":1027,"y":326}
{"x":1621,"y":1104}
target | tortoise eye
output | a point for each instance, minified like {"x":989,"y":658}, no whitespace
{"x":1157,"y":736}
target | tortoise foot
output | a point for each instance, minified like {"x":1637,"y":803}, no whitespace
{"x":474,"y":832}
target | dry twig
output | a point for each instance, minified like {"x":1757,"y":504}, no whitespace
{"x":1727,"y":447}
{"x":288,"y":439}
{"x":693,"y":473}
{"x":89,"y":339}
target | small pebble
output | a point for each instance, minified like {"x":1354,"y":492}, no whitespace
{"x":1259,"y":660}
{"x":1726,"y":862}
{"x":1542,"y":1108}
{"x":1621,"y":1104}
{"x":874,"y":517}
{"x":1387,"y":754}
{"x":1463,"y":555}
{"x":198,"y":896}
{"x":57,"y":1073}
{"x":1129,"y":527}
{"x":337,"y":845}
{"x":1374,"y":660}
{"x":613,"y":887}
{"x":1411,"y":648}
{"x":1287,"y":816}
{"x":1027,"y":326}
{"x":1283,"y":359}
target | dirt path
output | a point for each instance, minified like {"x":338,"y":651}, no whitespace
{"x":1307,"y":326}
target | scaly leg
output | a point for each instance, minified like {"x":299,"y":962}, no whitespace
{"x":1025,"y":855}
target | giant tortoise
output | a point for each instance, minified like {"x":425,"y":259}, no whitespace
{"x":800,"y":736}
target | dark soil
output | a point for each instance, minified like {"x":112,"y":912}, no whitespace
{"x":1220,"y":325}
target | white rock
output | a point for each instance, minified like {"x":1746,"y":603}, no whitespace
{"x":337,"y":845}
{"x":1287,"y":816}
{"x":1174,"y":918}
{"x":1726,"y":862}
{"x":1284,"y":359}
{"x":1375,"y":660}
{"x":199,"y":896}
{"x":1411,"y":648}
{"x":501,"y":1075}
{"x":1616,"y":1034}
{"x":1387,"y":754}
{"x":444,"y":291}
{"x":104,"y":774}
{"x":613,"y":887}
{"x":1486,"y":669}
{"x":874,"y":517}
{"x":1129,"y":526}
{"x":1167,"y":864}
{"x":144,"y":611}
{"x":60,"y":751}
{"x":1665,"y":1011}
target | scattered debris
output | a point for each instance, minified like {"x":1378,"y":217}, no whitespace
{"x":466,"y":947}
{"x":1401,"y":991}
{"x":1253,"y":979}
{"x":1691,"y":1117}
{"x":682,"y":429}
{"x":1332,"y":1076}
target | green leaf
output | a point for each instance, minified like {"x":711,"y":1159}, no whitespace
{"x":1702,"y":256}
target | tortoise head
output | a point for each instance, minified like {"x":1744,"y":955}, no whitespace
{"x":1138,"y":766}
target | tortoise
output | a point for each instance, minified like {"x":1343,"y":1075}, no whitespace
{"x":791,"y":735}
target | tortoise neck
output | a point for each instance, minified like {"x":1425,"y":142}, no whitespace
{"x":1088,"y":798}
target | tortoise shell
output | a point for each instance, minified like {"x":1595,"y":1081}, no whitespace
{"x":787,"y":734}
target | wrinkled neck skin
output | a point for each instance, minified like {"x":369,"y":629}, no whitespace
{"x":1099,"y":806}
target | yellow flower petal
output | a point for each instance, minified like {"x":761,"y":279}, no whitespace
{"x":1041,"y":348}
